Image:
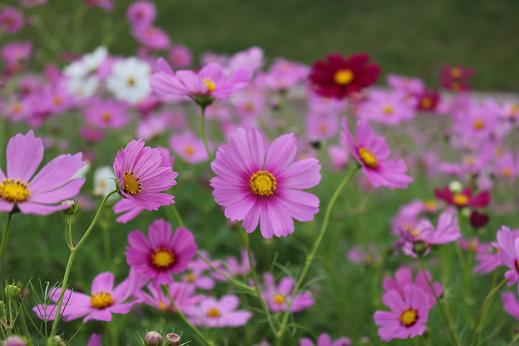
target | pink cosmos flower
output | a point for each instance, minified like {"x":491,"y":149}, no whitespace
{"x":258,"y":183}
{"x":106,"y":113}
{"x":141,"y":13}
{"x":162,"y":253}
{"x":221,"y":313}
{"x":190,"y":148}
{"x":252,"y":58}
{"x":198,"y":274}
{"x":510,"y":304}
{"x":11,"y":20}
{"x":404,"y":277}
{"x":95,"y":340}
{"x":279,"y":296}
{"x":232,"y":267}
{"x":284,"y":74}
{"x":180,"y":56}
{"x":143,"y":174}
{"x":43,"y":193}
{"x":126,"y":210}
{"x":487,"y":258}
{"x":325,"y":340}
{"x":339,"y":157}
{"x":372,"y":152}
{"x":407,"y":318}
{"x":389,"y":108}
{"x":210,"y":83}
{"x":152,"y":37}
{"x":175,"y":296}
{"x":322,"y":126}
{"x":103,"y":301}
{"x":508,"y":245}
{"x":15,"y":53}
{"x":408,"y":86}
{"x":249,"y":103}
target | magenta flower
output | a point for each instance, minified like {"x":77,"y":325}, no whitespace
{"x":510,"y":304}
{"x":152,"y":37}
{"x":198,"y":274}
{"x":11,"y":20}
{"x":210,"y":83}
{"x":487,"y":258}
{"x":162,"y":253}
{"x":103,"y":301}
{"x":141,"y":13}
{"x":177,"y":296}
{"x":42,"y":193}
{"x":106,"y":113}
{"x":279,"y":296}
{"x":404,"y":277}
{"x":372,"y":152}
{"x":95,"y":340}
{"x":258,"y":183}
{"x":388,"y":108}
{"x":15,"y":53}
{"x":407,"y":318}
{"x":188,"y":147}
{"x":325,"y":340}
{"x":221,"y":313}
{"x":127,"y":210}
{"x":180,"y":56}
{"x":143,"y":174}
{"x":508,"y":245}
{"x":322,"y":126}
{"x":232,"y":267}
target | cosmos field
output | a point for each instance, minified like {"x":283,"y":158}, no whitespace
{"x":156,"y":192}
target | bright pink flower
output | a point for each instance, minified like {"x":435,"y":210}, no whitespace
{"x":261,"y":184}
{"x":180,"y":56}
{"x":510,"y":304}
{"x":284,"y":74}
{"x":141,"y":13}
{"x":408,"y":315}
{"x":339,"y":157}
{"x":162,"y":253}
{"x":322,"y":126}
{"x":152,"y":37}
{"x":388,"y":108}
{"x":106,"y":113}
{"x":210,"y":83}
{"x":427,"y":100}
{"x":456,"y":78}
{"x":190,"y":148}
{"x":95,"y":340}
{"x":91,"y":135}
{"x":221,"y":313}
{"x":487,"y":258}
{"x":325,"y":340}
{"x":464,"y":198}
{"x":508,"y":245}
{"x":143,"y":174}
{"x":127,"y":210}
{"x":11,"y":20}
{"x":252,"y":58}
{"x":372,"y":152}
{"x":43,"y":193}
{"x":15,"y":54}
{"x":198,"y":274}
{"x":279,"y":296}
{"x":232,"y":267}
{"x":176,"y":296}
{"x":103,"y":301}
{"x":408,"y":86}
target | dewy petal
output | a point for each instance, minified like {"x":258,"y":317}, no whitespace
{"x":24,"y":154}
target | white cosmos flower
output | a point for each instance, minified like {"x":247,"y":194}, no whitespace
{"x":83,"y":88}
{"x":88,"y":64}
{"x":104,"y":181}
{"x":129,"y":80}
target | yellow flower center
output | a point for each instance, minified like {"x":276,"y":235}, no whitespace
{"x":263,"y":183}
{"x":210,"y":85}
{"x":323,"y":129}
{"x":430,"y":204}
{"x":162,"y":258}
{"x":388,"y":110}
{"x":249,"y":107}
{"x":17,"y":107}
{"x":479,"y":125}
{"x":101,"y":300}
{"x":58,"y":101}
{"x":426,"y":103}
{"x":213,"y":313}
{"x":343,"y":77}
{"x":131,"y":184}
{"x":507,"y":172}
{"x":514,"y":109}
{"x":163,"y":306}
{"x":189,"y":150}
{"x":368,"y":158}
{"x":191,"y":277}
{"x":14,"y":190}
{"x":131,"y":82}
{"x":408,"y":317}
{"x":106,"y":117}
{"x":456,"y":72}
{"x":279,"y":299}
{"x":460,"y":200}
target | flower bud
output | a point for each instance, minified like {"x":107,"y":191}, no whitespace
{"x":15,"y":340}
{"x":72,"y":207}
{"x":172,"y":339}
{"x":153,"y":339}
{"x":13,"y":290}
{"x":56,"y":341}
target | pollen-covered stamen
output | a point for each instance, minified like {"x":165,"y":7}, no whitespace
{"x":426,"y":103}
{"x":14,"y":190}
{"x":213,"y":312}
{"x":263,"y":183}
{"x":388,"y":110}
{"x":132,"y":186}
{"x":478,"y":125}
{"x":209,"y":84}
{"x":189,"y":150}
{"x":131,"y":82}
{"x":101,"y":300}
{"x":409,"y":317}
{"x":460,"y":200}
{"x":343,"y":77}
{"x":162,"y":258}
{"x":279,"y":299}
{"x":368,"y":158}
{"x":106,"y":117}
{"x":191,"y":277}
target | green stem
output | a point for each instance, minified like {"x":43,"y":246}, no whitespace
{"x":180,"y":221}
{"x":204,"y":134}
{"x":480,"y":322}
{"x":310,"y":257}
{"x":68,"y":232}
{"x":197,"y":331}
{"x":254,"y":279}
{"x":516,"y":337}
{"x":5,"y":234}
{"x":72,"y":256}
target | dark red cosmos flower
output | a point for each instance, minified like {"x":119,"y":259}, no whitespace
{"x":456,"y":78}
{"x":463,"y":199}
{"x":338,"y":77}
{"x":427,"y":100}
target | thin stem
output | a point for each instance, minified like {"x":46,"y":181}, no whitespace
{"x":516,"y":337}
{"x":180,"y":221}
{"x":72,"y":256}
{"x":5,"y":234}
{"x":68,"y":232}
{"x":204,"y":134}
{"x":254,"y":279}
{"x":480,"y":322}
{"x":317,"y":243}
{"x":197,"y":331}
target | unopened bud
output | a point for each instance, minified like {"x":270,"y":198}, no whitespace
{"x":173,"y":339}
{"x":153,"y":339}
{"x":72,"y":207}
{"x":56,"y":341}
{"x":15,"y":340}
{"x":13,"y":290}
